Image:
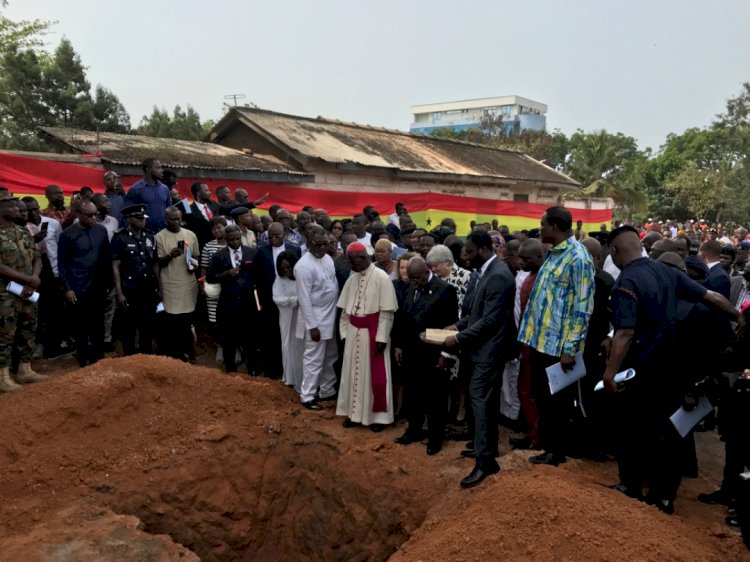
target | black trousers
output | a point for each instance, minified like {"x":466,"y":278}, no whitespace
{"x":88,"y":325}
{"x":425,"y":395}
{"x":484,"y":395}
{"x":271,"y":342}
{"x":178,"y":339}
{"x":236,"y":331}
{"x":137,"y":320}
{"x":52,"y":305}
{"x":737,"y":449}
{"x":554,"y":409}
{"x":648,"y":447}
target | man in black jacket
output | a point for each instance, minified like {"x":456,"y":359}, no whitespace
{"x":487,"y":337}
{"x":202,"y":210}
{"x":430,"y":303}
{"x":234,"y":268}
{"x":269,"y":314}
{"x":86,"y":275}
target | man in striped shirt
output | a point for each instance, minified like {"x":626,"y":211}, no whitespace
{"x":554,"y":325}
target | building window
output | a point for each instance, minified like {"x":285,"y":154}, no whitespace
{"x":436,"y":116}
{"x":521,"y":197}
{"x":505,"y":109}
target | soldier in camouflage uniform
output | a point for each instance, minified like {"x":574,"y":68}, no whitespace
{"x":20,"y":262}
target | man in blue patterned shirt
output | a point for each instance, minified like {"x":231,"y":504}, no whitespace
{"x":554,"y":325}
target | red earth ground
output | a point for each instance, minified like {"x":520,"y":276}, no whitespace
{"x":145,"y":458}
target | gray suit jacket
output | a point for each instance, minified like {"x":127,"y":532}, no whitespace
{"x":488,"y":334}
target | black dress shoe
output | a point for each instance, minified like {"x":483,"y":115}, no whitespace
{"x":523,"y":444}
{"x":312,"y":405}
{"x":434,"y":448}
{"x":377,"y":428}
{"x":408,"y":438}
{"x":468,"y":453}
{"x":349,"y":423}
{"x":715,"y":498}
{"x":548,"y":458}
{"x":478,"y":475}
{"x":665,"y":506}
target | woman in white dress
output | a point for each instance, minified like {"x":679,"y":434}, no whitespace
{"x":285,"y":297}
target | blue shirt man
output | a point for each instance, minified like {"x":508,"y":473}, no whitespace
{"x":150,"y":191}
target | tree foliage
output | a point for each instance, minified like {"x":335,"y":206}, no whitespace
{"x":38,"y":88}
{"x":182,"y":124}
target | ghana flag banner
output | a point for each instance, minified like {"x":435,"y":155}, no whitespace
{"x":29,"y":176}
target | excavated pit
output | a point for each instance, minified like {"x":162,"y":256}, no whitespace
{"x":147,"y":459}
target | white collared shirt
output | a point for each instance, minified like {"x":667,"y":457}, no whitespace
{"x":711,"y":264}
{"x":486,"y":265}
{"x":203,"y":209}
{"x":236,"y":256}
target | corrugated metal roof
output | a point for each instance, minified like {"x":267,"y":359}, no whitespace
{"x":338,"y":142}
{"x":173,"y":153}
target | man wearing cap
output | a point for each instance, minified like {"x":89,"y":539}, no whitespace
{"x":20,"y":262}
{"x":368,"y":303}
{"x":644,"y":316}
{"x":243,"y":217}
{"x":136,"y":274}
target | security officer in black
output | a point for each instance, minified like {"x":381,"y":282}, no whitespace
{"x":136,"y":274}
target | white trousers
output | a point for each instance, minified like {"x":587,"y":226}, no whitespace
{"x":510,"y":404}
{"x":317,"y":368}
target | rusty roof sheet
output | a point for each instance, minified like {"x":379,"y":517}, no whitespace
{"x":173,"y":153}
{"x":339,"y":142}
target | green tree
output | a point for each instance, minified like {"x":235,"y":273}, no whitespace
{"x":182,"y":124}
{"x":67,"y":90}
{"x":39,"y":89}
{"x":609,"y":165}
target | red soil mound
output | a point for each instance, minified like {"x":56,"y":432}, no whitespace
{"x":232,"y":468}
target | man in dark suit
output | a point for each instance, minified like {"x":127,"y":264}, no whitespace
{"x":430,"y":303}
{"x":718,"y":279}
{"x":202,"y":210}
{"x":269,"y":314}
{"x":488,"y":338}
{"x":234,"y":268}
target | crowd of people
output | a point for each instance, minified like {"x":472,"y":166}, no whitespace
{"x":339,"y":311}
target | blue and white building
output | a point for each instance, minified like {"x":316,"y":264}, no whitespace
{"x":517,"y":113}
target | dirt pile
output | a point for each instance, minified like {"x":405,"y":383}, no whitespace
{"x":554,"y":514}
{"x":145,"y":458}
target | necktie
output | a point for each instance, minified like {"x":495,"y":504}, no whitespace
{"x":237,"y":258}
{"x":207,"y":212}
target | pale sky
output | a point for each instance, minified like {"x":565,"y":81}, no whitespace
{"x":643,"y":68}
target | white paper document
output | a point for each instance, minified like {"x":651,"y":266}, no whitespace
{"x":17,"y":289}
{"x":620,"y":378}
{"x":559,"y":379}
{"x":683,"y":421}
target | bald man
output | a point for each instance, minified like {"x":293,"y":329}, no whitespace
{"x":644,"y":315}
{"x":660,"y":247}
{"x":430,"y":303}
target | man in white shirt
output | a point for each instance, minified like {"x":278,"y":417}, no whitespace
{"x":395,"y":218}
{"x":359,"y":227}
{"x":318,"y":292}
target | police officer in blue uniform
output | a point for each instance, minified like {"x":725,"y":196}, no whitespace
{"x":136,"y":275}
